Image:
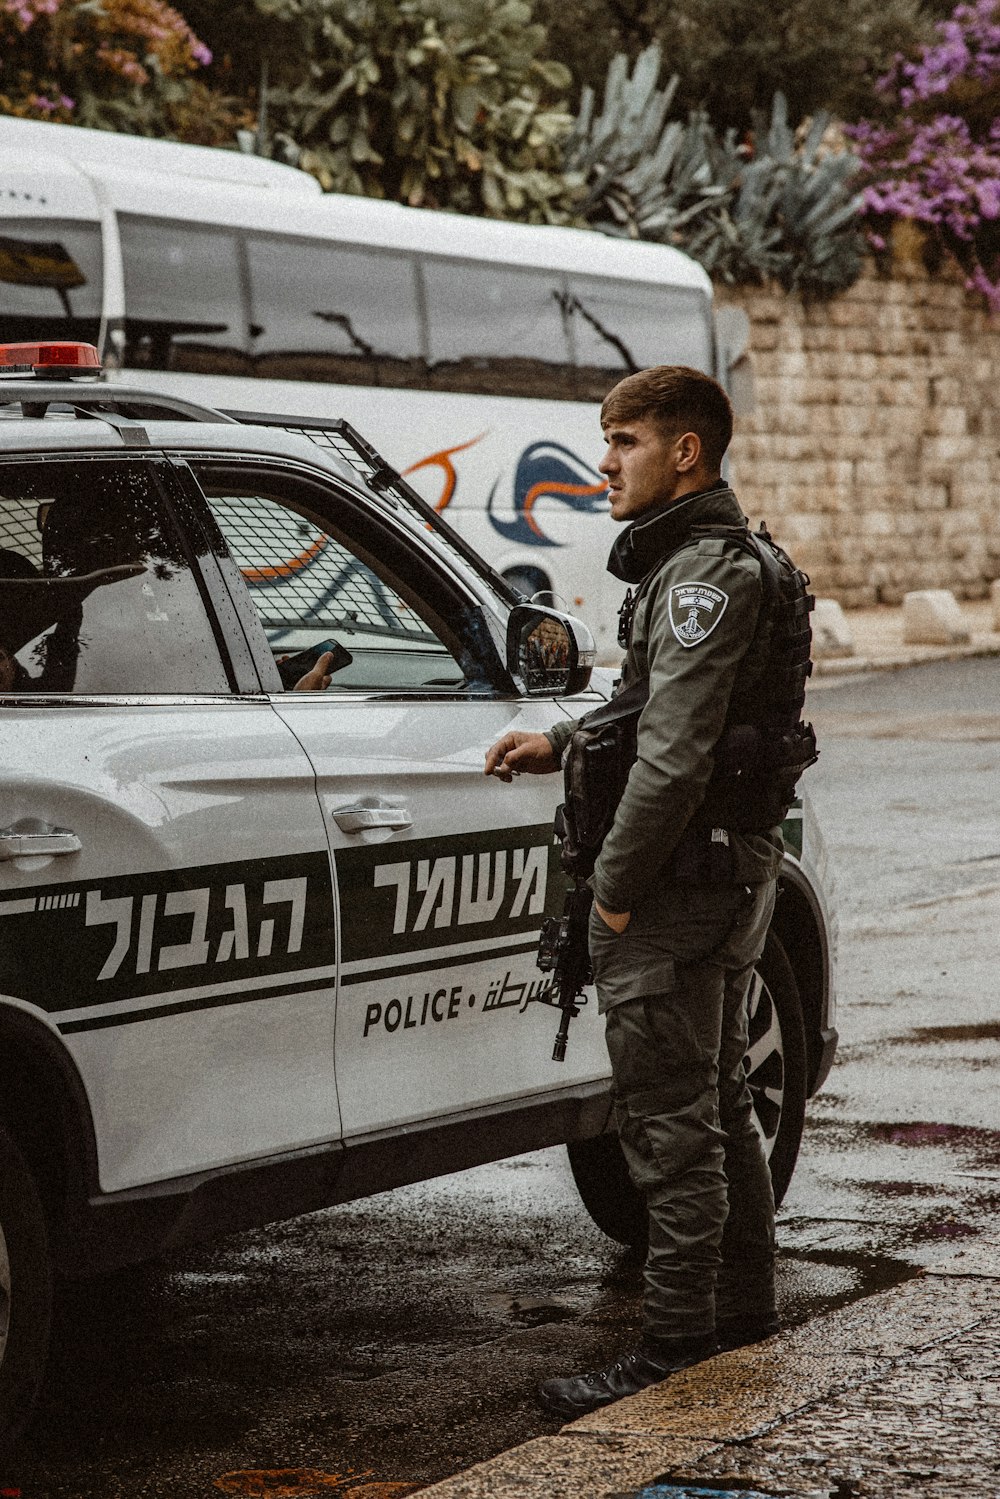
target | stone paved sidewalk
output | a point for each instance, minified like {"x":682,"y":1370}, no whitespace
{"x":894,"y":1397}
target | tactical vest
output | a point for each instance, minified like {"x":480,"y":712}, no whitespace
{"x":762,"y":751}
{"x":765,"y":745}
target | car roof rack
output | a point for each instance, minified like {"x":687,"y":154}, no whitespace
{"x":380,"y":477}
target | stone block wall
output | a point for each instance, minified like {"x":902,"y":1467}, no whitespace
{"x":874,"y":447}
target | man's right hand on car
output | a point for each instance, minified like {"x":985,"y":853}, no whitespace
{"x":518,"y":753}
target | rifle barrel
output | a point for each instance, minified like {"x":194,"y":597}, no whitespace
{"x":559,"y":1049}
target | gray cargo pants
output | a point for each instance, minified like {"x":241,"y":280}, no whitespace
{"x":685,"y":1121}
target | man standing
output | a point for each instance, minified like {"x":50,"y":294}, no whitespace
{"x":684,"y":885}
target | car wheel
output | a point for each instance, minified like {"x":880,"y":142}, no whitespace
{"x":606,"y":1189}
{"x":775,"y":1063}
{"x":25,"y":1291}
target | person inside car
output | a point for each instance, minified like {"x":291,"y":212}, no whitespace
{"x":319,"y":677}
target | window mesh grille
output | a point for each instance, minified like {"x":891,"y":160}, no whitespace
{"x":300,"y":577}
{"x":330,"y":437}
{"x":374,"y":471}
{"x":19,"y":532}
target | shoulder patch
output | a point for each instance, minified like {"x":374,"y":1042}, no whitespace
{"x":695,"y":610}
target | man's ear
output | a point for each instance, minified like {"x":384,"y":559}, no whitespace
{"x":688,"y":452}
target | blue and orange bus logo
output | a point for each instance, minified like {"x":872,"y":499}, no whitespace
{"x":545,"y":470}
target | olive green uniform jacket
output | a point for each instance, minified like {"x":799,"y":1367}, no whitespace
{"x":701,"y":635}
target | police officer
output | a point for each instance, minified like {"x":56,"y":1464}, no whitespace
{"x":681,"y":902}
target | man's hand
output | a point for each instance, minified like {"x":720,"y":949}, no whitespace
{"x":518,"y":753}
{"x":616,"y":920}
{"x":318,"y":678}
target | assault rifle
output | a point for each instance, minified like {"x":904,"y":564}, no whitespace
{"x":595,"y":770}
{"x":563,"y":951}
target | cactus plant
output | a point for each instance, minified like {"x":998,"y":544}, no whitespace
{"x":784,"y":209}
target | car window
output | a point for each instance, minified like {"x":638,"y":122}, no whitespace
{"x":319,"y":585}
{"x":97,"y":594}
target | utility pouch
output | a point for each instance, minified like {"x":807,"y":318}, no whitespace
{"x":596,"y":767}
{"x":703,"y":856}
{"x":757,"y":773}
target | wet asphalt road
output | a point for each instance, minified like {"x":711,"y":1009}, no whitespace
{"x":383,"y":1345}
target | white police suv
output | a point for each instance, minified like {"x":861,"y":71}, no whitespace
{"x":264,"y":950}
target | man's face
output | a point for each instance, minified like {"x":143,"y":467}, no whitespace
{"x":643,"y":467}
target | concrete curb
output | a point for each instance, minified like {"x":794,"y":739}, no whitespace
{"x":821,"y":1410}
{"x":878,"y":641}
{"x":891,"y":657}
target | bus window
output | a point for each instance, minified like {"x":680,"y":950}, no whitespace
{"x":496,"y":330}
{"x":327,"y":312}
{"x":184,"y":304}
{"x":50,"y":280}
{"x":619,"y":327}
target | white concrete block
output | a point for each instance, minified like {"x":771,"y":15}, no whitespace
{"x":995,"y":600}
{"x":831,"y":632}
{"x":931,"y":616}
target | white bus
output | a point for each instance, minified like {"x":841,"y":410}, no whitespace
{"x":473,"y":353}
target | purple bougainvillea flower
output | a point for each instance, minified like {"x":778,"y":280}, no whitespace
{"x":938,"y":171}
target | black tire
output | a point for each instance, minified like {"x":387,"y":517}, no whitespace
{"x":606,"y":1189}
{"x":776,"y":1062}
{"x":25,"y":1292}
{"x":776,"y":1066}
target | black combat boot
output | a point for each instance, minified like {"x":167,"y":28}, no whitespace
{"x":581,"y":1393}
{"x":741,"y":1331}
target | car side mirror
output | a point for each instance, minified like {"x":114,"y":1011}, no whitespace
{"x":548,"y":653}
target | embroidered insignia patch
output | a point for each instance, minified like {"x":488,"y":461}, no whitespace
{"x":695,"y":610}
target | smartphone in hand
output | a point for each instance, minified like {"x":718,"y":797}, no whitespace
{"x":293,"y":668}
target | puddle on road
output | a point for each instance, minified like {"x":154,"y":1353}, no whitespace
{"x":523,"y":1310}
{"x":666,"y":1488}
{"x":918,"y":1133}
{"x":930,"y":1035}
{"x":812,"y":1282}
{"x":900,"y":1188}
{"x":977,"y":1144}
{"x":663,"y":1488}
{"x":885,"y":1199}
{"x":535,"y":1311}
{"x":658,"y":1490}
{"x":946,"y":1228}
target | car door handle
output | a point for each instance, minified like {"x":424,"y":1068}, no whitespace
{"x":30,"y":836}
{"x":359,"y":819}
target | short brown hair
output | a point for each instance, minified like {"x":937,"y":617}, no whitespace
{"x":678,"y":399}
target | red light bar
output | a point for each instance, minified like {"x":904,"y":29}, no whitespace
{"x":57,"y":360}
